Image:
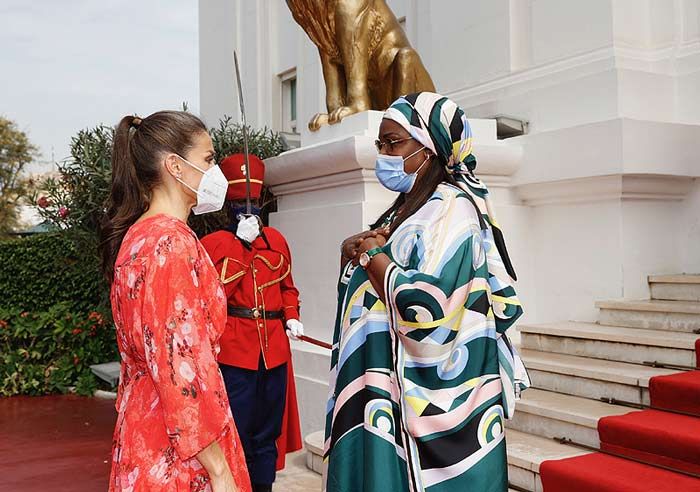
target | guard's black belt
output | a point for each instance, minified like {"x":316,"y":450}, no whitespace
{"x":241,"y":312}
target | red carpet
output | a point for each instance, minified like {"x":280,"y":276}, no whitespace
{"x":662,"y":438}
{"x":56,"y":443}
{"x":597,"y":472}
{"x":679,"y":392}
{"x":655,"y":436}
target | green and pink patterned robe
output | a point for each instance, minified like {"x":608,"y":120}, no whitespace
{"x":421,"y":385}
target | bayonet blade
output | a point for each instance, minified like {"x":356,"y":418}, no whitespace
{"x":248,"y":206}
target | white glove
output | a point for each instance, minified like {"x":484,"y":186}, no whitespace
{"x":296,"y":329}
{"x":248,"y":228}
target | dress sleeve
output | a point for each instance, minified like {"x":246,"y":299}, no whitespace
{"x":448,"y":269}
{"x":178,"y":349}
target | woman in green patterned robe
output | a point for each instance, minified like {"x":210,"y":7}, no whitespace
{"x":422,"y":372}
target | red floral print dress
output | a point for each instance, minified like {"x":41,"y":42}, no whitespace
{"x":169,"y":310}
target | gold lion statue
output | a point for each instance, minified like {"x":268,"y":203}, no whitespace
{"x":366,"y":58}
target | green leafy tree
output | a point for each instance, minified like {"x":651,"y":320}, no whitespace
{"x":75,"y":200}
{"x":228,"y":139}
{"x":16,"y":151}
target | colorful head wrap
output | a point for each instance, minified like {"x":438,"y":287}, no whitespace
{"x":440,"y":125}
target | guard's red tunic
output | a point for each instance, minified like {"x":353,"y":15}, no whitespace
{"x":259,"y":277}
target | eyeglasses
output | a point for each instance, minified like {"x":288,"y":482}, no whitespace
{"x":389,"y":144}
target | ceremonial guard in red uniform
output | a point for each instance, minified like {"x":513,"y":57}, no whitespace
{"x":255,"y":267}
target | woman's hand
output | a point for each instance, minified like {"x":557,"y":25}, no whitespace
{"x":223,"y":483}
{"x":214,"y":462}
{"x":367,"y":244}
{"x":349,"y":247}
{"x":376,"y":270}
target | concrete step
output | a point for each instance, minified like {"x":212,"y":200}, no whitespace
{"x":314,"y":451}
{"x":613,"y":343}
{"x":525,"y":454}
{"x":683,"y":316}
{"x":675,"y":287}
{"x":590,"y":378}
{"x":552,"y":415}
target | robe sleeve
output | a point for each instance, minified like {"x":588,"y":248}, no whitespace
{"x":455,"y":281}
{"x":179,"y":353}
{"x":453,"y":265}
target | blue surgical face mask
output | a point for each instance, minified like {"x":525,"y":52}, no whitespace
{"x":391,"y":174}
{"x":241,"y":210}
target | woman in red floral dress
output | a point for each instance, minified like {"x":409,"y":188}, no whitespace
{"x":174,"y":431}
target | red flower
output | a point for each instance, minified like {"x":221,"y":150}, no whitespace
{"x":76,"y":360}
{"x":24,"y":314}
{"x":63,"y":212}
{"x":77,"y":331}
{"x":3,"y":324}
{"x":43,"y":202}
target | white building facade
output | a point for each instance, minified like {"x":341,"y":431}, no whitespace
{"x":601,"y":191}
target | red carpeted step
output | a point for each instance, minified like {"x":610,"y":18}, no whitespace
{"x":679,"y":392}
{"x":663,"y":438}
{"x":603,"y":473}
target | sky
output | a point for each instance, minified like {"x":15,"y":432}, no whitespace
{"x":66,"y":65}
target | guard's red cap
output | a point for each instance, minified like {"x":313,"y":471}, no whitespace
{"x":233,"y":168}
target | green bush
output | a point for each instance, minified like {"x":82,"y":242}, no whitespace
{"x":42,"y":270}
{"x":51,"y":351}
{"x":228,"y":139}
{"x":75,"y":199}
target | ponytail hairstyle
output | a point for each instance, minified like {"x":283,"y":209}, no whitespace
{"x":139,"y":145}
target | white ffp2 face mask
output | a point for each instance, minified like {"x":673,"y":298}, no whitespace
{"x":211,"y":192}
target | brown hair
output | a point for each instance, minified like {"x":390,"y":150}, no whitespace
{"x":410,"y":204}
{"x":138,"y":145}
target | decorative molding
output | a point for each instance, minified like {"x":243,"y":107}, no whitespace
{"x":318,"y":183}
{"x":350,"y":160}
{"x":500,"y":158}
{"x":623,"y":187}
{"x":493,"y":181}
{"x":541,"y":75}
{"x":667,"y":60}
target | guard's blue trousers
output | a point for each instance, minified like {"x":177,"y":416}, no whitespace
{"x":257,"y":400}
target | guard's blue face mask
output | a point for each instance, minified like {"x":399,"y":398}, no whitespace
{"x":241,"y":210}
{"x":391,"y":174}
